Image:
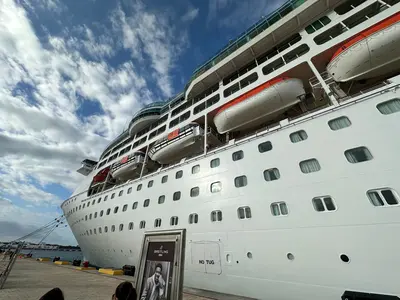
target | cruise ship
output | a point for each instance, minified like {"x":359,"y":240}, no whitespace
{"x":278,"y":158}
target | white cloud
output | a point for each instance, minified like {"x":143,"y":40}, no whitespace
{"x":190,"y":15}
{"x":45,"y":82}
{"x":157,"y":37}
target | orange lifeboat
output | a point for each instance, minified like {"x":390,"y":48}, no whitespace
{"x":259,"y":104}
{"x":373,"y":52}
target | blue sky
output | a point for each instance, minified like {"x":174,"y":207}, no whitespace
{"x":72,"y":73}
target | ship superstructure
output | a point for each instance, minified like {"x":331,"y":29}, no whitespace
{"x":279,"y":158}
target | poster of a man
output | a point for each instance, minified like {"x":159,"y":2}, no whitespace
{"x":155,"y":286}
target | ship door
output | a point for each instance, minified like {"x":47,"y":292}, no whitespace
{"x":206,"y":257}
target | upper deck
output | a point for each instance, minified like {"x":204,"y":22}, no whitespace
{"x":312,"y":31}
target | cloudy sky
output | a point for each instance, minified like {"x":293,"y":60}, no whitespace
{"x":72,"y":73}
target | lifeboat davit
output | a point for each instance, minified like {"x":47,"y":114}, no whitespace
{"x":178,"y":144}
{"x":371,"y":53}
{"x":128,"y":166}
{"x":259,"y":104}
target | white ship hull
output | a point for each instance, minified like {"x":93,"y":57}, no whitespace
{"x":316,"y":239}
{"x":309,"y":204}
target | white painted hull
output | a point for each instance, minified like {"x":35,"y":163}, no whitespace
{"x":370,"y":57}
{"x":367,"y":234}
{"x":260,"y":107}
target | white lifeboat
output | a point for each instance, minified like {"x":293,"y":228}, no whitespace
{"x":259,"y":104}
{"x":178,"y":144}
{"x":128,"y":166}
{"x":371,"y":53}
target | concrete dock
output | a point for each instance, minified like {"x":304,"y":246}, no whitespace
{"x":30,"y":279}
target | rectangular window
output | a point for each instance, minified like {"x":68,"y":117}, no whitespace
{"x":383,"y":197}
{"x":157,"y":223}
{"x":129,"y":190}
{"x":94,"y":202}
{"x":176,"y":196}
{"x":90,"y":216}
{"x":135,"y":205}
{"x":142,"y":224}
{"x":279,"y":209}
{"x":309,"y":166}
{"x":214,"y":163}
{"x":179,"y":174}
{"x":265,"y":147}
{"x":100,"y":230}
{"x":317,"y":24}
{"x":193,"y":219}
{"x":112,"y":228}
{"x":271,"y":67}
{"x":194,"y":192}
{"x":105,"y":229}
{"x":324,"y":203}
{"x":95,"y":215}
{"x":105,"y":198}
{"x":272,"y":174}
{"x":94,"y":231}
{"x":244,"y":212}
{"x":339,"y":123}
{"x":164,"y":179}
{"x":139,"y":187}
{"x":347,"y":6}
{"x":174,"y":221}
{"x":121,"y":227}
{"x":364,"y":14}
{"x":88,"y":204}
{"x":146,"y":203}
{"x":216,"y":216}
{"x":108,"y":211}
{"x":195,"y":169}
{"x":115,"y":209}
{"x":120,"y":193}
{"x":150,"y":184}
{"x":240,"y":181}
{"x":298,"y":136}
{"x":389,"y":107}
{"x":130,"y":226}
{"x":125,"y":207}
{"x":113,"y":195}
{"x":161,"y":199}
{"x":357,"y":155}
{"x":99,"y":200}
{"x":238,"y":155}
{"x":329,"y":34}
{"x":216,"y":187}
{"x":101,"y":213}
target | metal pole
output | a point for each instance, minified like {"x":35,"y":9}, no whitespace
{"x":323,"y":83}
{"x":145,"y":161}
{"x":205,"y":134}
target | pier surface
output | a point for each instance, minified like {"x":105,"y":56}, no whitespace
{"x":30,"y":279}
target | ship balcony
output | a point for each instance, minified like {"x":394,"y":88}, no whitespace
{"x":145,"y":117}
{"x":87,"y":167}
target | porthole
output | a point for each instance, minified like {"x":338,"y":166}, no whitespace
{"x":290,"y":256}
{"x":249,"y":255}
{"x":344,"y":258}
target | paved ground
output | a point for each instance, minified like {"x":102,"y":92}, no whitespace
{"x":30,"y":279}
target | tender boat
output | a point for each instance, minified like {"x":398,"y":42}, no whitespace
{"x":259,"y":104}
{"x":178,"y":144}
{"x":371,"y":53}
{"x":128,"y":166}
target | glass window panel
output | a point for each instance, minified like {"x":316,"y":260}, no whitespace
{"x":272,"y":174}
{"x":213,"y":163}
{"x":264,"y":147}
{"x":146,"y":203}
{"x":195,"y":169}
{"x":375,"y":198}
{"x":318,"y":205}
{"x":176,"y":196}
{"x":164,"y":179}
{"x":389,"y":197}
{"x":179,"y":174}
{"x":309,"y":166}
{"x":339,"y":123}
{"x":238,"y":155}
{"x":275,"y":209}
{"x":161,"y":199}
{"x":216,"y":187}
{"x":241,"y":181}
{"x":194,"y":192}
{"x":329,"y":203}
{"x":357,"y":155}
{"x":298,"y":136}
